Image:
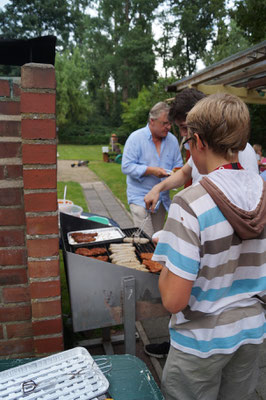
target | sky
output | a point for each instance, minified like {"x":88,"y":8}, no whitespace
{"x":3,"y":3}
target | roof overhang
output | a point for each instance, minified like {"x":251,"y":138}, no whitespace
{"x":242,"y":74}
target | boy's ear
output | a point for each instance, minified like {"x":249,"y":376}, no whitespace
{"x":199,"y":143}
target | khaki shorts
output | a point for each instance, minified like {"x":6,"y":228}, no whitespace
{"x":219,"y":377}
{"x":155,"y":221}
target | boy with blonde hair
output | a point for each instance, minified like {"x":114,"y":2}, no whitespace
{"x":213,"y":251}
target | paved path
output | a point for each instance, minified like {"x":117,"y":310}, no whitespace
{"x":99,"y":197}
{"x":101,"y":201}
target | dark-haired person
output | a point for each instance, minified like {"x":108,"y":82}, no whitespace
{"x":212,"y":249}
{"x":183,"y":103}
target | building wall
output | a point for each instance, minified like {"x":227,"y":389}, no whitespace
{"x":30,"y":297}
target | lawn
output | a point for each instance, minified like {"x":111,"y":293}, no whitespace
{"x":110,"y":173}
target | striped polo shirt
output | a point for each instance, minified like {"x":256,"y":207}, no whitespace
{"x":225,"y":309}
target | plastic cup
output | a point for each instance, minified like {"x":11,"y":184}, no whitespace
{"x":71,"y":209}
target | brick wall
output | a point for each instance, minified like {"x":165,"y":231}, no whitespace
{"x":30,"y":309}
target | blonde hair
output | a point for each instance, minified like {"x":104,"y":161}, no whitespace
{"x":222,"y":121}
{"x":158,"y":109}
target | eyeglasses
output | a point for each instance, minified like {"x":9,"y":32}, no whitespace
{"x":163,"y":123}
{"x":191,"y":138}
{"x":187,"y":140}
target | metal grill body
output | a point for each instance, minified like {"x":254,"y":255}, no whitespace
{"x":99,"y":291}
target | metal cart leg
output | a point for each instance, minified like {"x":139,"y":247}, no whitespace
{"x":129,"y":313}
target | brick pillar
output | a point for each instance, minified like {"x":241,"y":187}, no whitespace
{"x":38,"y":131}
{"x":15,"y":308}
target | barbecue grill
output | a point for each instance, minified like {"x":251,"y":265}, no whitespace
{"x":103,"y":294}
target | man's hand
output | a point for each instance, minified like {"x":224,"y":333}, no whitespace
{"x":156,"y":171}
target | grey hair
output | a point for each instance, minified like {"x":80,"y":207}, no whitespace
{"x":158,"y":109}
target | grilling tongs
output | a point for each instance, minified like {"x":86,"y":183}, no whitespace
{"x":140,"y":229}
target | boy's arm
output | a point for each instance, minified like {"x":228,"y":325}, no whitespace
{"x":175,"y":291}
{"x":179,"y":178}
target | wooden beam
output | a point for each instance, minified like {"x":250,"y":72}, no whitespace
{"x":230,"y":79}
{"x":248,"y":96}
{"x":238,"y":61}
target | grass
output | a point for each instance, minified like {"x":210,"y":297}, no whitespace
{"x":80,"y":152}
{"x":74,"y":193}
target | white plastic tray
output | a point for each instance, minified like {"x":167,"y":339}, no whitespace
{"x":69,"y":375}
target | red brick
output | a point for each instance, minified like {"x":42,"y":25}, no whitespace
{"x":39,"y":154}
{"x":19,"y":313}
{"x":14,"y":171}
{"x":11,"y":197}
{"x":4,"y":88}
{"x":16,"y":294}
{"x":11,"y":171}
{"x":11,"y":238}
{"x":40,"y":290}
{"x":43,"y":103}
{"x":10,"y":128}
{"x":13,"y":276}
{"x":42,"y":225}
{"x":10,"y":149}
{"x":12,"y":347}
{"x":12,"y":216}
{"x":43,"y":247}
{"x":10,"y":107}
{"x":13,"y":257}
{"x":19,"y":330}
{"x":43,"y":269}
{"x":39,"y":178}
{"x":46,"y":309}
{"x":39,"y":76}
{"x":47,"y":327}
{"x":48,"y":345}
{"x":16,"y":90}
{"x":1,"y":332}
{"x":39,"y":202}
{"x":38,"y":129}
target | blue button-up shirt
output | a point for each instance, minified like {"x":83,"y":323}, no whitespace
{"x":139,"y":153}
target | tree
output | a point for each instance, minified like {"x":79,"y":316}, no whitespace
{"x":127,"y":25}
{"x":250,"y":16}
{"x":72,"y":100}
{"x":230,"y":40}
{"x":196,"y":21}
{"x":31,"y":18}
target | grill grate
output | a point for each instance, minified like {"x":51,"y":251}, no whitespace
{"x":139,"y":248}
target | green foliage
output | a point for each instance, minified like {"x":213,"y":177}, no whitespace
{"x":230,"y":40}
{"x":258,"y":122}
{"x":73,"y":103}
{"x":31,"y":18}
{"x":250,"y":16}
{"x":196,"y":24}
{"x":136,"y":110}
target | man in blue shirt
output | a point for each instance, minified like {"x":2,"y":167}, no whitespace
{"x":150,"y":154}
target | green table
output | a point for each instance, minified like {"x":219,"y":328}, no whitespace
{"x":129,"y":377}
